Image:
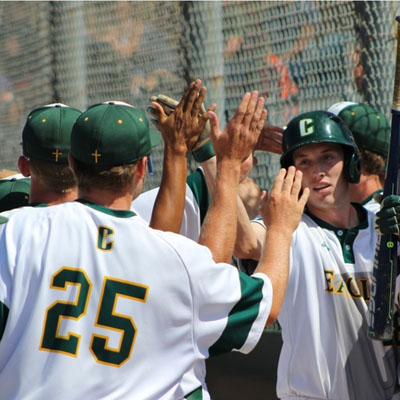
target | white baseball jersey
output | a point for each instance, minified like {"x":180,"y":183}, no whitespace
{"x":370,"y":204}
{"x":326,"y":351}
{"x":196,"y":205}
{"x":96,"y":305}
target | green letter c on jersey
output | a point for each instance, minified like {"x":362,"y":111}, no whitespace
{"x":306,"y":126}
{"x":103,"y":233}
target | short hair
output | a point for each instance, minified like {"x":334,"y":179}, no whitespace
{"x":372,"y":163}
{"x":58,"y":178}
{"x":115,"y":178}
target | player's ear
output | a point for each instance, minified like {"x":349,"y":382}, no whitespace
{"x":23,"y":166}
{"x":141,"y":168}
{"x":71,"y":161}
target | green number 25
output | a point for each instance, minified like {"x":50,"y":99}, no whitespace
{"x":106,"y":317}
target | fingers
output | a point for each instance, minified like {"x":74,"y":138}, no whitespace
{"x":278,"y":182}
{"x":198,"y":103}
{"x":296,"y":187}
{"x":241,"y":110}
{"x":159,"y":110}
{"x":215,"y":130}
{"x":259,"y":116}
{"x":191,"y":96}
{"x":251,"y":109}
{"x":261,"y":121}
{"x":304,"y":197}
{"x":288,"y":181}
{"x":390,"y":201}
{"x":184,"y":99}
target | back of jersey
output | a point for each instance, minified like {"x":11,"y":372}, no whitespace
{"x":96,"y":303}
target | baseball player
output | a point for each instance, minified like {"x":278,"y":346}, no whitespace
{"x":371,"y":132}
{"x":324,"y":317}
{"x":200,"y":183}
{"x":14,"y":193}
{"x":46,"y":140}
{"x":110,"y":301}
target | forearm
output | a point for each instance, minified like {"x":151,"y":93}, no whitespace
{"x":170,"y":202}
{"x":274,"y":263}
{"x":218,"y":231}
{"x":210,"y":173}
{"x":247,"y":244}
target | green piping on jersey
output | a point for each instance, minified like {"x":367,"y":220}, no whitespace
{"x":370,"y":197}
{"x":3,"y":318}
{"x":38,"y":204}
{"x":241,"y":317}
{"x":198,"y":185}
{"x":197,"y":394}
{"x":346,"y":237}
{"x":3,"y":220}
{"x":105,"y":210}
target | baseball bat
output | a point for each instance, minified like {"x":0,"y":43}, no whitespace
{"x":385,"y":261}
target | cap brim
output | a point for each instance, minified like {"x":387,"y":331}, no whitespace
{"x":155,"y":138}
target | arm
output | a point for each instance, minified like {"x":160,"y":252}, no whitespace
{"x":250,"y":236}
{"x":180,"y":131}
{"x":232,"y":147}
{"x":281,"y":215}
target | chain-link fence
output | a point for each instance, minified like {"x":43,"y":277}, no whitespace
{"x":301,"y":55}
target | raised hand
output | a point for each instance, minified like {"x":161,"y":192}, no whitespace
{"x":182,"y":127}
{"x":239,"y":137}
{"x":285,"y":204}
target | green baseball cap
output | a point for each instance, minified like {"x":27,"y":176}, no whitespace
{"x":370,"y":128}
{"x":112,"y":133}
{"x":14,"y":193}
{"x":47,"y":133}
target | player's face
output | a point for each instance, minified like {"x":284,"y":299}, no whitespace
{"x":322,"y":167}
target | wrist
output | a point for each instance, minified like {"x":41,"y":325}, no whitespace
{"x":229,"y":170}
{"x":175,"y":150}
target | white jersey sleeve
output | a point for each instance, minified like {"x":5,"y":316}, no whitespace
{"x":191,"y":224}
{"x":95,"y":296}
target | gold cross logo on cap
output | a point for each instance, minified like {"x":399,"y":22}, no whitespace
{"x":96,"y":156}
{"x":56,"y":153}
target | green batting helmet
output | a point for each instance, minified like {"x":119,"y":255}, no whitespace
{"x":321,"y":127}
{"x":370,"y":128}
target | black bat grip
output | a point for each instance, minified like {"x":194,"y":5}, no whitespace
{"x":385,"y":261}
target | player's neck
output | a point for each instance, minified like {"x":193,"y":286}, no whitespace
{"x":107,"y":198}
{"x":368,"y":185}
{"x":45,"y":196}
{"x":342,"y":216}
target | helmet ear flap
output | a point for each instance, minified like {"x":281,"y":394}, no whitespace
{"x":352,"y":167}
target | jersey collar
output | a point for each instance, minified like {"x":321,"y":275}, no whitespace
{"x":370,"y":197}
{"x":347,"y":236}
{"x":106,"y":210}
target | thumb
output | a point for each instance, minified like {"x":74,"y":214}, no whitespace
{"x":263,"y":199}
{"x":214,"y":124}
{"x":159,"y":110}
